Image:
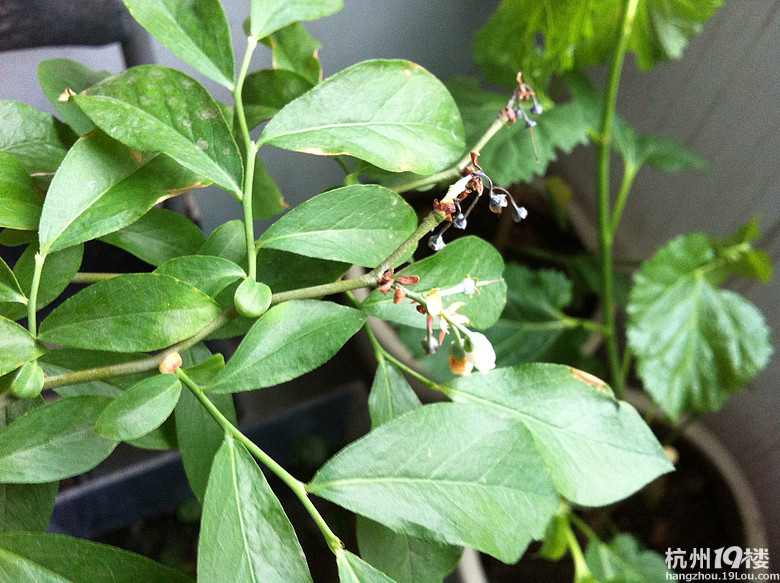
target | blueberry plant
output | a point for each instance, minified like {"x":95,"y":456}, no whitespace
{"x":495,"y":467}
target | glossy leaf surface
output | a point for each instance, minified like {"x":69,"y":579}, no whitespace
{"x":354,"y":224}
{"x":20,"y":202}
{"x":102,"y":186}
{"x":57,"y":75}
{"x":17,"y":346}
{"x":394,"y":114}
{"x":133,"y":312}
{"x":198,"y":32}
{"x":38,"y":140}
{"x":267,"y":91}
{"x":227,"y":241}
{"x":62,"y":559}
{"x":295,"y":50}
{"x":208,"y":274}
{"x":54,"y":441}
{"x":155,"y":109}
{"x":289,"y":340}
{"x":468,"y":256}
{"x":268,"y":16}
{"x":159,"y":236}
{"x":245,"y":534}
{"x":597,"y":450}
{"x":696,"y":344}
{"x":446,"y":472}
{"x":140,"y":409}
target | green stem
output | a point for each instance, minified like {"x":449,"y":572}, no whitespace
{"x":453,"y":172}
{"x":251,"y":154}
{"x":32,"y":305}
{"x":90,"y":277}
{"x":581,"y":570}
{"x":298,"y":487}
{"x":605,"y":223}
{"x":629,"y":173}
{"x":140,"y":365}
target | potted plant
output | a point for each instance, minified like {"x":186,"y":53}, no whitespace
{"x":515,"y":448}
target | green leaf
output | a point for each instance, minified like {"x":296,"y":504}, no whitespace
{"x":162,"y":438}
{"x":140,"y":409}
{"x":268,"y":16}
{"x":510,"y":156}
{"x":155,"y":109}
{"x":245,"y":534}
{"x":394,"y":114}
{"x":159,"y":236}
{"x":533,"y":318}
{"x":624,"y":561}
{"x":446,"y":472}
{"x":360,"y":224}
{"x":57,"y":75}
{"x":54,"y":441}
{"x":406,"y":560}
{"x":103,"y":186}
{"x":742,"y":259}
{"x":24,"y":506}
{"x":27,"y":382}
{"x":252,"y":298}
{"x":38,"y":140}
{"x":209,"y":274}
{"x":20,"y":201}
{"x":284,"y":271}
{"x":199,"y":436}
{"x":197,"y":32}
{"x":227,"y":241}
{"x":267,"y":199}
{"x":289,"y":340}
{"x":467,"y":256}
{"x":267,"y":91}
{"x":133,"y":312}
{"x":295,"y":50}
{"x":65,"y":360}
{"x":10,"y":291}
{"x":353,"y":569}
{"x":58,"y":270}
{"x":17,"y":346}
{"x":667,"y":154}
{"x":597,"y":450}
{"x":695,"y":344}
{"x":391,"y":396}
{"x":41,"y":557}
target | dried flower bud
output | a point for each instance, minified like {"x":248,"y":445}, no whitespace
{"x":497,"y":202}
{"x":398,"y":295}
{"x":170,"y":363}
{"x":430,"y":345}
{"x":436,"y":242}
{"x":537,"y":109}
{"x":530,"y":123}
{"x":408,"y":279}
{"x":65,"y":96}
{"x":519,"y":214}
{"x":459,"y":222}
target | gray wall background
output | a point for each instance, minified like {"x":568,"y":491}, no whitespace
{"x":721,"y":100}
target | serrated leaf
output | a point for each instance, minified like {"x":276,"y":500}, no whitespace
{"x":207,"y":273}
{"x":158,"y":236}
{"x":268,"y":16}
{"x":199,"y":436}
{"x":58,"y":269}
{"x":156,"y":109}
{"x":622,"y":560}
{"x":289,"y":340}
{"x":54,"y":441}
{"x":140,"y":409}
{"x":38,"y":140}
{"x":360,"y":224}
{"x":596,"y":449}
{"x":198,"y":32}
{"x":446,"y":472}
{"x":353,"y":569}
{"x":295,"y":50}
{"x":17,"y":346}
{"x":24,"y":506}
{"x":695,"y":344}
{"x":394,"y":114}
{"x":406,"y":560}
{"x":245,"y":534}
{"x":391,"y":395}
{"x":133,"y":312}
{"x":9,"y":286}
{"x":57,"y":75}
{"x":467,"y":256}
{"x":102,"y":186}
{"x":57,"y":558}
{"x":510,"y":156}
{"x":20,"y":201}
{"x":267,"y":91}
